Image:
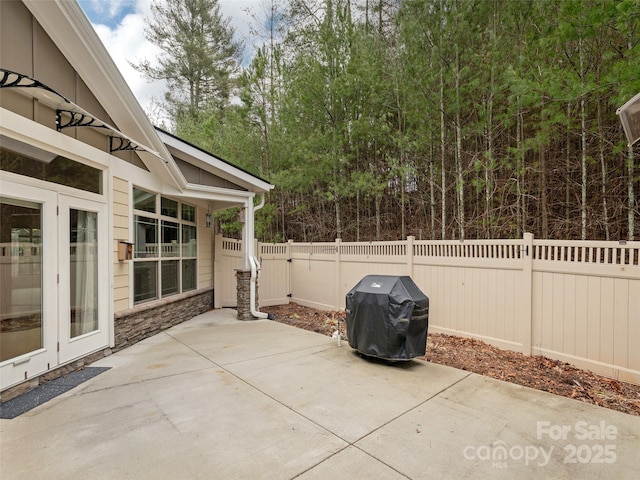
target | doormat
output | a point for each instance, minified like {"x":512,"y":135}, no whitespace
{"x":46,"y":391}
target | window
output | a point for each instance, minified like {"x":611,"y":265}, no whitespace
{"x":42,"y":165}
{"x":170,"y":247}
{"x":165,"y":246}
{"x":169,"y":207}
{"x":144,"y":281}
{"x":188,"y":213}
{"x":144,"y":200}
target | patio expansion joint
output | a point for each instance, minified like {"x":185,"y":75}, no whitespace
{"x":342,"y":450}
{"x":313,"y":351}
{"x":409,"y":410}
{"x":294,"y":411}
{"x":254,"y":387}
{"x":353,"y":443}
{"x":415,"y":407}
{"x":319,"y":425}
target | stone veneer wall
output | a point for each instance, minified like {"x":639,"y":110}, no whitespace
{"x":131,"y":326}
{"x":149,"y":318}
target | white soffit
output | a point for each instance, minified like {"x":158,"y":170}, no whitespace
{"x":213,"y":164}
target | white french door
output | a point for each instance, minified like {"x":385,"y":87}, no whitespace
{"x":54,"y":277}
{"x":83,"y":287}
{"x":28,"y":299}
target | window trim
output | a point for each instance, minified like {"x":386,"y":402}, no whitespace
{"x":175,"y":255}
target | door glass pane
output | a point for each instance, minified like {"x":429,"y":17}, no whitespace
{"x":83,"y":270}
{"x":20,"y":277}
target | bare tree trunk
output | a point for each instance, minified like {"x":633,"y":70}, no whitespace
{"x":487,"y":174}
{"x":488,"y":170}
{"x":630,"y":168}
{"x":443,"y":147}
{"x":567,"y":183}
{"x":490,"y":164}
{"x":630,"y":194}
{"x":366,"y":16}
{"x":544,"y":211}
{"x":432,"y":199}
{"x":357,"y":216}
{"x":378,"y":223}
{"x":603,"y":177}
{"x":283,"y":218}
{"x":487,"y":202}
{"x":338,"y":217}
{"x":583,"y":207}
{"x":402,"y":213}
{"x":520,"y":220}
{"x":583,"y":138}
{"x":460,"y":177}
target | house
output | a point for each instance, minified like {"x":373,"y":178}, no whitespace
{"x":105,"y":221}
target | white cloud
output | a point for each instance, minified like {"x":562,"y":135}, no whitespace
{"x":126,"y":43}
{"x":124,"y":39}
{"x":237,"y":11}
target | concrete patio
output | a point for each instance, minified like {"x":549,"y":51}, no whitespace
{"x":216,"y":398}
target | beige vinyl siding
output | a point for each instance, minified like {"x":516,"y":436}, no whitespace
{"x":121,"y":270}
{"x":205,"y":251}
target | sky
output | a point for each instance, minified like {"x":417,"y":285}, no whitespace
{"x":120,"y":26}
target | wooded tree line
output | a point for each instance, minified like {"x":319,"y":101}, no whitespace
{"x":378,"y":119}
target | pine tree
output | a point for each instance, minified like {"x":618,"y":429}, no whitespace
{"x":200,"y":56}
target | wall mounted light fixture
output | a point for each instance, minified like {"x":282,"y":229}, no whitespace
{"x":207,"y":217}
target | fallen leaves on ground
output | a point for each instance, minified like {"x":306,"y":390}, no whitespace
{"x":475,"y":356}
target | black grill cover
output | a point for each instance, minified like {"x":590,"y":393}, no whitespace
{"x":387,"y":317}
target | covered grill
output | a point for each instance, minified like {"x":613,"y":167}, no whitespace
{"x":387,"y":317}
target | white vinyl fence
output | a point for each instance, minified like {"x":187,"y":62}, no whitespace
{"x":576,"y":301}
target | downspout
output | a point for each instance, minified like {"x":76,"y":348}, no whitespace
{"x":260,"y":205}
{"x":253,"y":261}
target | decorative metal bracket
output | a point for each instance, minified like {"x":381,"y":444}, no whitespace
{"x":9,"y":79}
{"x":63,"y":107}
{"x":76,"y":119}
{"x":118,"y":144}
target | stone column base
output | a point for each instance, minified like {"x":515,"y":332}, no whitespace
{"x":244,"y":295}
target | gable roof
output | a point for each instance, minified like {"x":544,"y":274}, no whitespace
{"x":212,"y":163}
{"x":69,"y":28}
